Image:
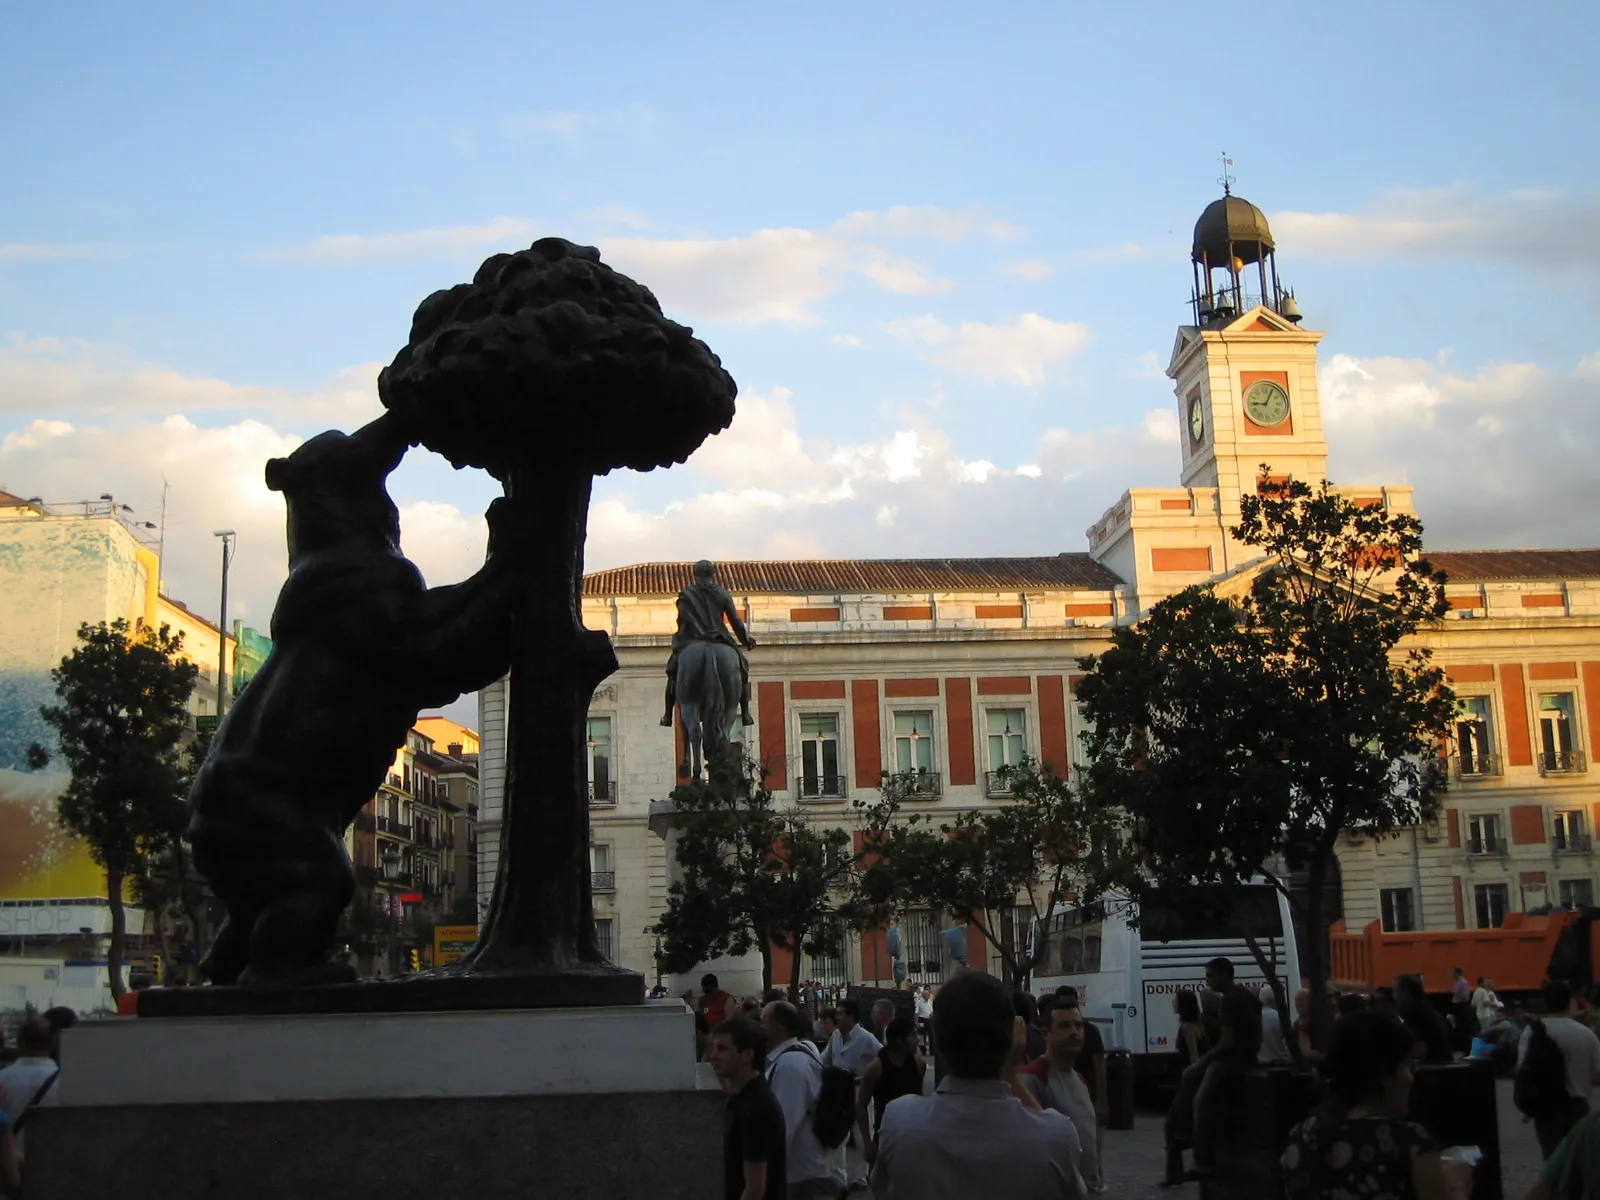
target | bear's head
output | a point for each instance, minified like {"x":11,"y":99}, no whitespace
{"x":335,"y":488}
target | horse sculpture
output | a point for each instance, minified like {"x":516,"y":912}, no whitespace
{"x":709,"y":688}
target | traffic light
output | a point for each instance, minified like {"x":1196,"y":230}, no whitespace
{"x":413,"y":959}
{"x":155,"y":967}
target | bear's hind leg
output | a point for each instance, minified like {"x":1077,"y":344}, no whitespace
{"x":230,"y":949}
{"x":292,"y":935}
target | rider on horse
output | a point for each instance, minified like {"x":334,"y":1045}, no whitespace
{"x":702,"y":606}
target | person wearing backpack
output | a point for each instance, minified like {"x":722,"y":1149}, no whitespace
{"x":1558,"y":1064}
{"x":813,"y":1170}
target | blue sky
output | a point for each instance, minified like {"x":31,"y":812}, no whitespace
{"x":934,"y":244}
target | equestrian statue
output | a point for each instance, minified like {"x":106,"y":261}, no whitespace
{"x":707,"y":661}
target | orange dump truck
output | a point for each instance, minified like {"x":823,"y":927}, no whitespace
{"x":1518,"y":956}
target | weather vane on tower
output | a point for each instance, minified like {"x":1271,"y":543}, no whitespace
{"x":1227,"y":179}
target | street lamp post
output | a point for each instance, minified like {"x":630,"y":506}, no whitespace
{"x":228,"y":536}
{"x":389,"y":861}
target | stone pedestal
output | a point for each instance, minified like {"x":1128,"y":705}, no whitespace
{"x":594,"y":1101}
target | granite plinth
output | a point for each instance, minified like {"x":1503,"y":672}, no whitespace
{"x":566,"y":987}
{"x":646,"y":1047}
{"x":654,"y":1146}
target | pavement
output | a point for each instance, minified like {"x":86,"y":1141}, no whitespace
{"x":1134,"y":1158}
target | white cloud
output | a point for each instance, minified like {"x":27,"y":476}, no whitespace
{"x":1030,"y":268}
{"x":1020,"y":352}
{"x":1557,"y":230}
{"x":445,"y":242}
{"x":925,"y":221}
{"x":1503,"y":457}
{"x":846,"y":339}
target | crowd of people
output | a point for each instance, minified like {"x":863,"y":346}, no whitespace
{"x":28,"y":1071}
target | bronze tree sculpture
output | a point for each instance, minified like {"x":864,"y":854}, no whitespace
{"x":548,"y":369}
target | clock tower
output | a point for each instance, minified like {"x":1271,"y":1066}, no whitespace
{"x":1246,"y":372}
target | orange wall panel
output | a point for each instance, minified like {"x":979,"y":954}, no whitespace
{"x":1005,"y":685}
{"x":1175,"y":506}
{"x":677,"y":745}
{"x":1466,"y":601}
{"x":1591,"y":705}
{"x":1452,"y":820}
{"x":1073,"y":681}
{"x":774,"y":738}
{"x":1545,"y":600}
{"x":910,"y":687}
{"x":1097,"y":608}
{"x":868,"y":731}
{"x":958,"y":724}
{"x":1520,"y":745}
{"x":1557,"y":670}
{"x":1180,"y":558}
{"x":1527,"y":824}
{"x":997,"y":612}
{"x":1526,"y":877}
{"x":817,"y":689}
{"x":1460,"y":901}
{"x":908,"y":612}
{"x":1472,"y":673}
{"x":813,"y":614}
{"x":1052,"y":724}
{"x":875,"y":961}
{"x":782,"y":965}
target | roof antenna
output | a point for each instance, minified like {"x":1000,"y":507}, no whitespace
{"x":1227,"y":179}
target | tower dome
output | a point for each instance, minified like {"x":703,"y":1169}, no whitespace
{"x":1231,"y":228}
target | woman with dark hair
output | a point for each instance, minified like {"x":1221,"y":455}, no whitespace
{"x":1425,"y":1022}
{"x":1026,"y":1007}
{"x":1192,"y":1040}
{"x":1359,"y":1143}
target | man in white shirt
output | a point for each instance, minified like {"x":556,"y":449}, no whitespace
{"x":1055,"y":1082}
{"x":1274,"y":1049}
{"x":25,"y":1078}
{"x":1581,"y":1050}
{"x":973,"y":1137}
{"x":794,"y":1072}
{"x":853,"y":1047}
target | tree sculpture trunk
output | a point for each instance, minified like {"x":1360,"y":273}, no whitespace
{"x":542,"y":911}
{"x":119,"y":933}
{"x":1316,"y":953}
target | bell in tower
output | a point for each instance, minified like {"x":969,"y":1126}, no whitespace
{"x":1230,"y":237}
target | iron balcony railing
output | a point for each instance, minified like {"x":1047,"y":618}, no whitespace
{"x":821,"y":787}
{"x":921,"y":785}
{"x":998,"y":783}
{"x":602,"y":793}
{"x":1570,"y":843}
{"x":1477,"y":766}
{"x":1486,"y":845}
{"x":1562,"y":762}
{"x":393,"y":827}
{"x":602,"y":881}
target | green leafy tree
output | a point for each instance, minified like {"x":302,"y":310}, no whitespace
{"x":120,"y":724}
{"x":1045,"y":848}
{"x":169,"y":887}
{"x":1244,"y":736}
{"x":754,"y":877}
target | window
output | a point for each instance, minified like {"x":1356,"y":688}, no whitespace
{"x":1474,"y":746}
{"x":602,"y":936}
{"x":819,"y":755}
{"x":1577,"y":893}
{"x":1483,"y":835}
{"x":1491,"y":901}
{"x":1556,"y":734}
{"x":913,"y":742}
{"x":599,"y":750}
{"x":829,"y":968}
{"x":1397,"y":910}
{"x":602,"y":877}
{"x":923,"y":948}
{"x":1569,"y":831}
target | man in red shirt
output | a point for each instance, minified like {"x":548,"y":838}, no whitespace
{"x":714,"y":1001}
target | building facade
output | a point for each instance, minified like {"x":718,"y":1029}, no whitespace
{"x":956,"y":667}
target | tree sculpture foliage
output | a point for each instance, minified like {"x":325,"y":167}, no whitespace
{"x":547,"y":369}
{"x":754,"y":876}
{"x":1244,"y":736}
{"x":1044,"y":846}
{"x":120,"y":725}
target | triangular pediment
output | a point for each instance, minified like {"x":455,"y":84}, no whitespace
{"x":1188,"y":335}
{"x":1260,"y":319}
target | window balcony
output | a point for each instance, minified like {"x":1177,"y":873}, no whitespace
{"x":998,"y":783}
{"x":821,"y":787}
{"x":394,"y":828}
{"x":1562,"y":762}
{"x":425,"y":840}
{"x":1487,"y":847}
{"x":1571,"y":843}
{"x":1477,"y":766}
{"x":918,"y":785}
{"x":602,"y":794}
{"x":602,"y":881}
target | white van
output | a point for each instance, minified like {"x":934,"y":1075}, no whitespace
{"x":1127,"y":977}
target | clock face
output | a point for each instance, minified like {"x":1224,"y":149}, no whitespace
{"x":1197,"y":421}
{"x":1267,"y":403}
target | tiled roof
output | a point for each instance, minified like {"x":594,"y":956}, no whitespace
{"x":1517,"y":564}
{"x":7,"y":500}
{"x":861,"y":575}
